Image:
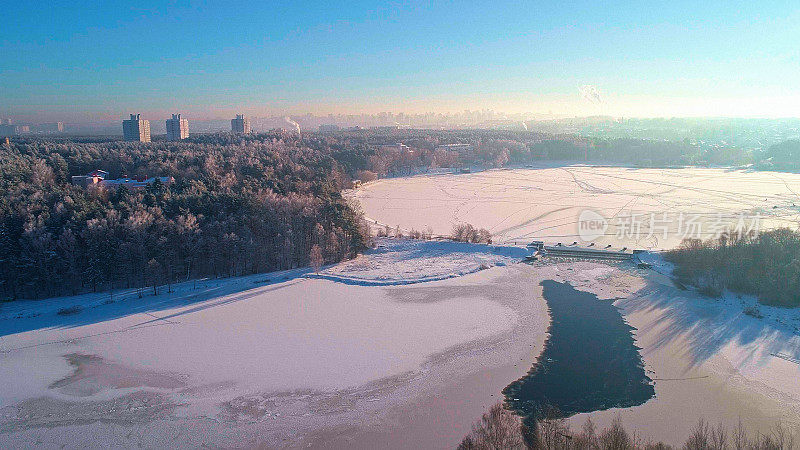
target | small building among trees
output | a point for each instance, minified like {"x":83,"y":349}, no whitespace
{"x":97,"y":178}
{"x":91,"y":178}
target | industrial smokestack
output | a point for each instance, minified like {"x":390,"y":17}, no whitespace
{"x":294,"y":124}
{"x":591,"y":94}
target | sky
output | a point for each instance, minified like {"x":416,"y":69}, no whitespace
{"x":100,"y":60}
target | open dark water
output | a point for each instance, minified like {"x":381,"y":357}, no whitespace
{"x":589,"y":362}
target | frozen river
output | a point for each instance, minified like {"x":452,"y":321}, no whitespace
{"x":640,"y":208}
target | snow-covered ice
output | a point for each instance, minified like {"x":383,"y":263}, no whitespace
{"x":544,"y":202}
{"x":243,"y":352}
{"x":406,"y":261}
{"x":708,"y":358}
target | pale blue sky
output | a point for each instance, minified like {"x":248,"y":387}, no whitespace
{"x":85,"y":60}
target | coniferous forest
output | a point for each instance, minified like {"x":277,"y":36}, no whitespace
{"x":236,"y":206}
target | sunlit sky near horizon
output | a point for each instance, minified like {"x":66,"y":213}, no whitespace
{"x":97,"y":60}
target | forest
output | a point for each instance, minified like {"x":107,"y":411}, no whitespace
{"x":237,"y":206}
{"x":766,"y":265}
{"x":370,"y":154}
{"x":784,"y":156}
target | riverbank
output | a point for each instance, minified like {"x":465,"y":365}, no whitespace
{"x":385,"y":358}
{"x":436,"y":409}
{"x":290,"y":362}
{"x":706,"y":357}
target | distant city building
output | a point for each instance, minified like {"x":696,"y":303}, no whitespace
{"x":177,"y":128}
{"x":136,"y":129}
{"x":328,"y":128}
{"x":240,"y":124}
{"x":56,"y":127}
{"x":13,"y":130}
{"x":5,"y":121}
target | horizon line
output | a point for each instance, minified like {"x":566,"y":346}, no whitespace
{"x":505,"y":116}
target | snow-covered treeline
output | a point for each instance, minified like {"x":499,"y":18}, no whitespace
{"x":234,"y":208}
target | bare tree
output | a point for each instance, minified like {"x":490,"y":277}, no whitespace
{"x":315,"y":258}
{"x":498,"y":429}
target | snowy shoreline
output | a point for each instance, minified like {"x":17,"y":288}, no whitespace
{"x":273,"y":359}
{"x":398,"y":363}
{"x":708,"y":359}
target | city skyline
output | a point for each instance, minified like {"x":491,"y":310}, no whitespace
{"x":718,"y":59}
